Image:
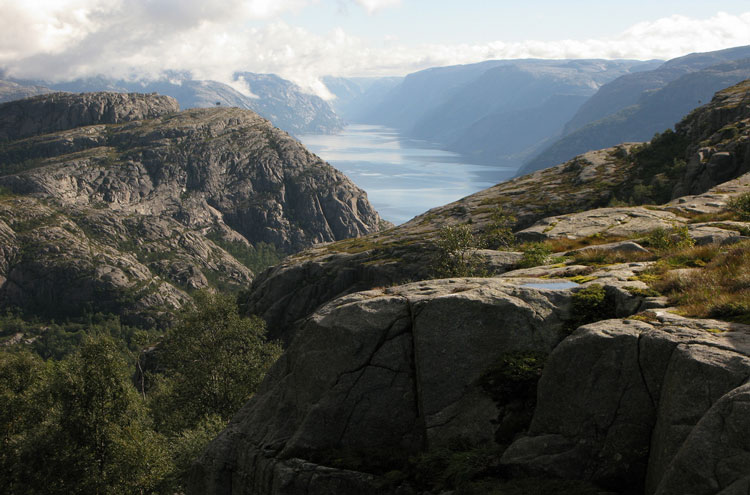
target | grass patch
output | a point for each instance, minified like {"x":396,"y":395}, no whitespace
{"x":564,"y":244}
{"x":719,"y":288}
{"x":595,"y":256}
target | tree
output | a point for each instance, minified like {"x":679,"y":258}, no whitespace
{"x":94,"y":435}
{"x":213,"y":360}
{"x":456,"y":252}
{"x":499,"y":231}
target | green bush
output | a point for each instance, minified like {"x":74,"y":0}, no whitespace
{"x":661,"y":239}
{"x":740,"y":205}
{"x":499,"y":232}
{"x":456,"y":254}
{"x":535,"y":254}
{"x":590,"y":304}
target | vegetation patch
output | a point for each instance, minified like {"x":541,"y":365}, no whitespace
{"x":590,"y":304}
{"x":256,"y":257}
{"x":720,"y":288}
{"x":535,"y":254}
{"x":664,"y":240}
{"x":456,"y":253}
{"x":740,"y":206}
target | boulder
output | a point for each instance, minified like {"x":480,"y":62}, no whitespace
{"x":621,"y":414}
{"x":389,"y":371}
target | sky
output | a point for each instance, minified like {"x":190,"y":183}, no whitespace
{"x":303,"y":40}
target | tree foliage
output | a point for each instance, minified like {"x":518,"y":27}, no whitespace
{"x":79,"y":426}
{"x":456,"y":254}
{"x":213,"y":360}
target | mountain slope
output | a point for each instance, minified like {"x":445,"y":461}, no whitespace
{"x":569,"y":375}
{"x":627,"y":90}
{"x":634,"y":107}
{"x":121,"y":204}
{"x":474,"y":109}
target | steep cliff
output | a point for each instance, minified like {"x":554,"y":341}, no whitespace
{"x":122,"y":195}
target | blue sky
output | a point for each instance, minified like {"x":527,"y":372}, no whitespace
{"x":305,"y":39}
{"x":449,"y":21}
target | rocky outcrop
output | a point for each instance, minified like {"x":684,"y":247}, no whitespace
{"x":643,"y":399}
{"x":387,"y":370}
{"x":173,"y":193}
{"x":615,"y":222}
{"x":63,"y":111}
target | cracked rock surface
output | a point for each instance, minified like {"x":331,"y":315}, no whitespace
{"x":119,"y":203}
{"x":647,"y":403}
{"x":394,"y":370}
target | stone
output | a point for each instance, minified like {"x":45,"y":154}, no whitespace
{"x":392,"y":370}
{"x":637,"y":391}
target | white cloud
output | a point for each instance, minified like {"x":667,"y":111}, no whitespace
{"x":65,"y":39}
{"x":373,"y":6}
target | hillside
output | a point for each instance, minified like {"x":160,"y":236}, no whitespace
{"x":635,"y":106}
{"x":607,"y":356}
{"x":488,"y":111}
{"x":121,"y":204}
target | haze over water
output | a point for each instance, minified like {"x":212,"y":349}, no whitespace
{"x":402,"y":177}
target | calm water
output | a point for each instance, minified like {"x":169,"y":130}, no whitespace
{"x":403,"y":178}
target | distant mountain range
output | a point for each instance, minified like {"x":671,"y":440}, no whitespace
{"x":533,"y":114}
{"x":282,"y":102}
{"x":490,"y":111}
{"x":635,"y":106}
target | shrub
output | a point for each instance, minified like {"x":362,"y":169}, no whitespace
{"x":740,"y":205}
{"x":590,"y":304}
{"x":661,"y":239}
{"x":499,"y":232}
{"x":456,"y":254}
{"x":535,"y":254}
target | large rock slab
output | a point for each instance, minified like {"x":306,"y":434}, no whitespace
{"x":616,"y":222}
{"x":620,"y":398}
{"x":394,"y":370}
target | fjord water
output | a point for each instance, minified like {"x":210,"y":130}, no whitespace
{"x":402,"y":177}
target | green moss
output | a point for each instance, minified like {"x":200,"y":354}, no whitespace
{"x":637,"y":291}
{"x":582,"y":279}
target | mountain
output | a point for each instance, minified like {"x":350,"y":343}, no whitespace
{"x":611,"y":355}
{"x":357,"y":96}
{"x":488,"y":111}
{"x":10,"y":90}
{"x":635,"y":106}
{"x":284,"y":102}
{"x":280,"y":101}
{"x":121,"y":204}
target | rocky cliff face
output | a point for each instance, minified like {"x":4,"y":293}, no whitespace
{"x":659,"y":409}
{"x":63,"y":111}
{"x":629,"y":403}
{"x":122,"y":194}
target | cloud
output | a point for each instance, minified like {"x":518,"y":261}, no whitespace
{"x":141,"y":39}
{"x":373,"y":6}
